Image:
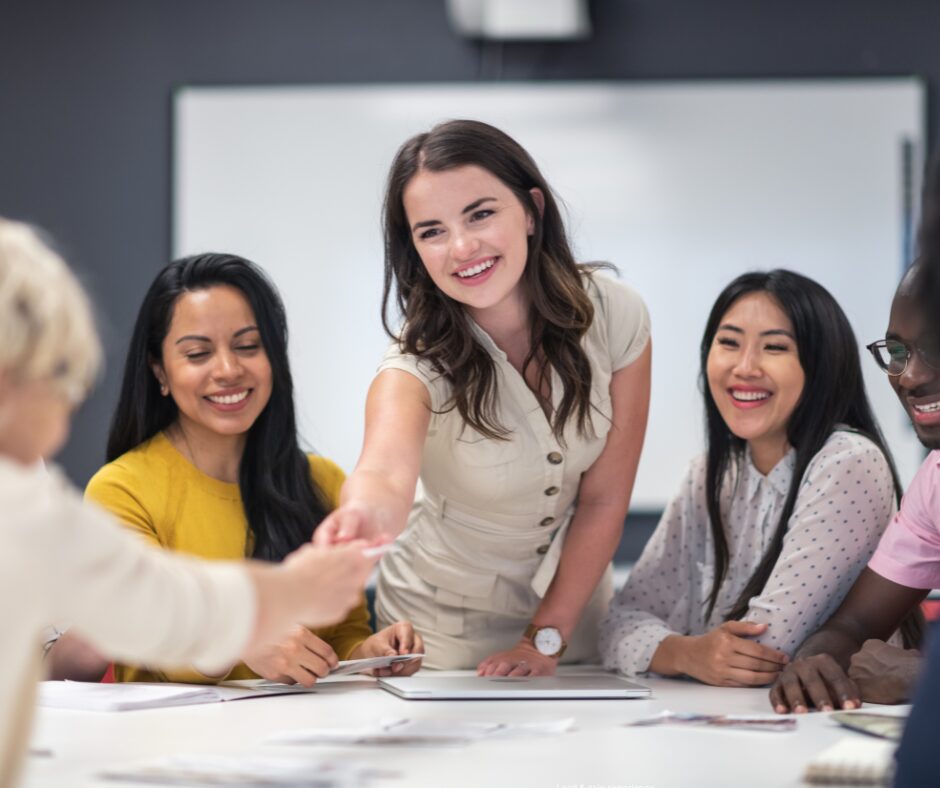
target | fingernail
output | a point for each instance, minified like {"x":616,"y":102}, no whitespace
{"x":799,"y":709}
{"x":849,"y":704}
{"x":826,"y":707}
{"x":780,"y":709}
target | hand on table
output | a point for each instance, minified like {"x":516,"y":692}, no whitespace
{"x":883,"y":673}
{"x":817,"y":681}
{"x":726,"y":657}
{"x":399,"y":638}
{"x":299,"y":658}
{"x":523,"y":659}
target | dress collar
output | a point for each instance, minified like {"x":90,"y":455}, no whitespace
{"x":780,"y":476}
{"x":486,"y":340}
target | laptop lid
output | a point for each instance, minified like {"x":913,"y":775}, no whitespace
{"x":512,"y":687}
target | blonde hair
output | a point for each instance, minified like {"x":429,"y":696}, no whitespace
{"x":47,"y":331}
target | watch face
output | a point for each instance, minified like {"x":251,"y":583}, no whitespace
{"x":548,"y":641}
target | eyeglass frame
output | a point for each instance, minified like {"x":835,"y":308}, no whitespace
{"x":910,"y":347}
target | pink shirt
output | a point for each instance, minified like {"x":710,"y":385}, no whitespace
{"x":909,"y":551}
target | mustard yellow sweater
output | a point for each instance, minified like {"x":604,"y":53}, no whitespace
{"x":157,"y":493}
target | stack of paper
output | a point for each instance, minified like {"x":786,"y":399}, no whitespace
{"x":121,"y":697}
{"x":92,"y":696}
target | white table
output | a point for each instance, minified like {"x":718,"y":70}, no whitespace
{"x":599,"y":753}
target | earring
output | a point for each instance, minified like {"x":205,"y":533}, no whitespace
{"x":164,"y":390}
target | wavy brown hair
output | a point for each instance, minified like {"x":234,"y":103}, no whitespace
{"x":437,"y":328}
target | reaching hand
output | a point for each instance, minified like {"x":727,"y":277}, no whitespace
{"x":399,"y":638}
{"x":328,"y":582}
{"x":314,"y":586}
{"x":301,"y":657}
{"x":814,"y":681}
{"x":883,"y":673}
{"x":523,"y":659}
{"x":726,"y":657}
{"x":352,"y":521}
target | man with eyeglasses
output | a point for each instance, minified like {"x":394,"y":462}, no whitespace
{"x":847,"y":660}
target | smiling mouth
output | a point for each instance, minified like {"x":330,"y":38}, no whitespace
{"x":229,"y":399}
{"x":749,"y":396}
{"x":476,"y":270}
{"x":930,"y":407}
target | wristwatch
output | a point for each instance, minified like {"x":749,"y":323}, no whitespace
{"x":547,"y":640}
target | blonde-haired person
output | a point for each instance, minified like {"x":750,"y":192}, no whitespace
{"x":65,"y":560}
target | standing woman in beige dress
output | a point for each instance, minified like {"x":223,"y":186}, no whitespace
{"x":518,"y":389}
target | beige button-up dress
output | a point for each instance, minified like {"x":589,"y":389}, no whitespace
{"x":488,"y":527}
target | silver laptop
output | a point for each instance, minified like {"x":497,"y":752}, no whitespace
{"x":432,"y":687}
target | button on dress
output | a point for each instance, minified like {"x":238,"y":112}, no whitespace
{"x":478,"y":554}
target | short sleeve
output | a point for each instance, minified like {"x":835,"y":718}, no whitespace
{"x":436,"y":384}
{"x":909,"y":551}
{"x":626,"y":319}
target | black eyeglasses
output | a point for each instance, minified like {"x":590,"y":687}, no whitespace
{"x":893,"y":355}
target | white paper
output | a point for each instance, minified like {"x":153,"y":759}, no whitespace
{"x":424,"y":731}
{"x":242,"y":771}
{"x":93,"y":696}
{"x":347,"y":666}
{"x":130,"y":696}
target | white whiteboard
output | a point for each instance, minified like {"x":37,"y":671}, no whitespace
{"x":682,"y":185}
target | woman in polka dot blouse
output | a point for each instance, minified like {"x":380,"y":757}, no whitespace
{"x":772,"y":525}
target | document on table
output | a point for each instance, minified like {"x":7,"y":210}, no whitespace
{"x":751,"y":722}
{"x":885,"y":726}
{"x":130,"y":696}
{"x":347,"y":666}
{"x":425,"y":731}
{"x":245,"y":771}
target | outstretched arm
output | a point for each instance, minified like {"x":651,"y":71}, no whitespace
{"x":378,"y":494}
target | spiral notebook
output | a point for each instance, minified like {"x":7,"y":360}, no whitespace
{"x":855,"y":760}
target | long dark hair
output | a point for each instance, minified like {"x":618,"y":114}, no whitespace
{"x":282,"y":504}
{"x":833,"y":394}
{"x":438,"y":328}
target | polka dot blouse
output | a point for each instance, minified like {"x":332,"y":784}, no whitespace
{"x":846,"y":499}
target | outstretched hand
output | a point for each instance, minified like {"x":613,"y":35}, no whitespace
{"x":350,"y":522}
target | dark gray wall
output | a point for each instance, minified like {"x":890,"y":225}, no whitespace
{"x":85,"y":97}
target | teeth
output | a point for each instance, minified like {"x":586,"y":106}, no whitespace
{"x":749,"y":396}
{"x":932,"y":407}
{"x":229,"y":399}
{"x":479,"y":268}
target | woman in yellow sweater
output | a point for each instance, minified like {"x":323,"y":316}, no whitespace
{"x":203,"y":459}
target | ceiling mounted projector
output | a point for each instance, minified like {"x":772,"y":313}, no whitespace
{"x":520,"y":19}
